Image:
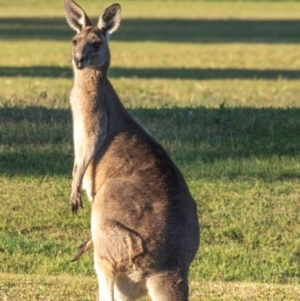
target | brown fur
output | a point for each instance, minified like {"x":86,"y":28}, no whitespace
{"x":84,"y":247}
{"x":144,"y":223}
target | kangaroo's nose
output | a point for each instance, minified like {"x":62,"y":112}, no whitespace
{"x":79,"y":60}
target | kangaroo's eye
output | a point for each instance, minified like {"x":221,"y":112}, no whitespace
{"x":74,"y":42}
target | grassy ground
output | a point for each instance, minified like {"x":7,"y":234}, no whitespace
{"x":57,"y":288}
{"x":218,"y":86}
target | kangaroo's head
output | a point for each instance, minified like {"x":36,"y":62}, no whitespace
{"x":90,"y":44}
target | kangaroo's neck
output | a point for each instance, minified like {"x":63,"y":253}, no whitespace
{"x":93,"y":91}
{"x":91,"y":86}
{"x":89,"y":80}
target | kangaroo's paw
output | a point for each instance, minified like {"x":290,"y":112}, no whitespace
{"x":76,"y":201}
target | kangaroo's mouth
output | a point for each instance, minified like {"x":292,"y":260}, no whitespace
{"x":79,"y":64}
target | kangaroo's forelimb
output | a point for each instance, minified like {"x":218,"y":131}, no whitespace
{"x":82,"y":160}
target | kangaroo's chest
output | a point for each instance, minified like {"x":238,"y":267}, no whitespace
{"x":80,"y":137}
{"x":79,"y":134}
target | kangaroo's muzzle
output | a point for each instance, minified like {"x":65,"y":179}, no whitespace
{"x":79,"y":61}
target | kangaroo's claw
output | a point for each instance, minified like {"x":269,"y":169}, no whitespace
{"x":76,"y":201}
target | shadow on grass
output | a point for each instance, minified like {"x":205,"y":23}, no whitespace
{"x":165,"y":30}
{"x":35,"y":141}
{"x":38,"y":141}
{"x":36,"y":71}
{"x":204,"y":73}
{"x":170,"y":73}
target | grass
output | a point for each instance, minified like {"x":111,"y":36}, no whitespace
{"x":220,"y":94}
{"x":55,"y":288}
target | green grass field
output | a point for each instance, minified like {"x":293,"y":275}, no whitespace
{"x":216,"y":83}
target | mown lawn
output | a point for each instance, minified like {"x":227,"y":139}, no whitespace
{"x":216,"y":83}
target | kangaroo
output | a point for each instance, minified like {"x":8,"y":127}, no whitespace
{"x":144,"y":223}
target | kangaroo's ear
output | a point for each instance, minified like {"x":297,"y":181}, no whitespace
{"x":110,"y":19}
{"x":76,"y":16}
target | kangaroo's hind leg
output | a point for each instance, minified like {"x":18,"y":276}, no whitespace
{"x":115,"y":245}
{"x":105,"y":281}
{"x":168,"y":286}
{"x":126,"y":289}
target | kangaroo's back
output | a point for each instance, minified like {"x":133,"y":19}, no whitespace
{"x":144,"y":223}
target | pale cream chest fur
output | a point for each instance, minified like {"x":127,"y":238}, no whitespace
{"x":80,"y":136}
